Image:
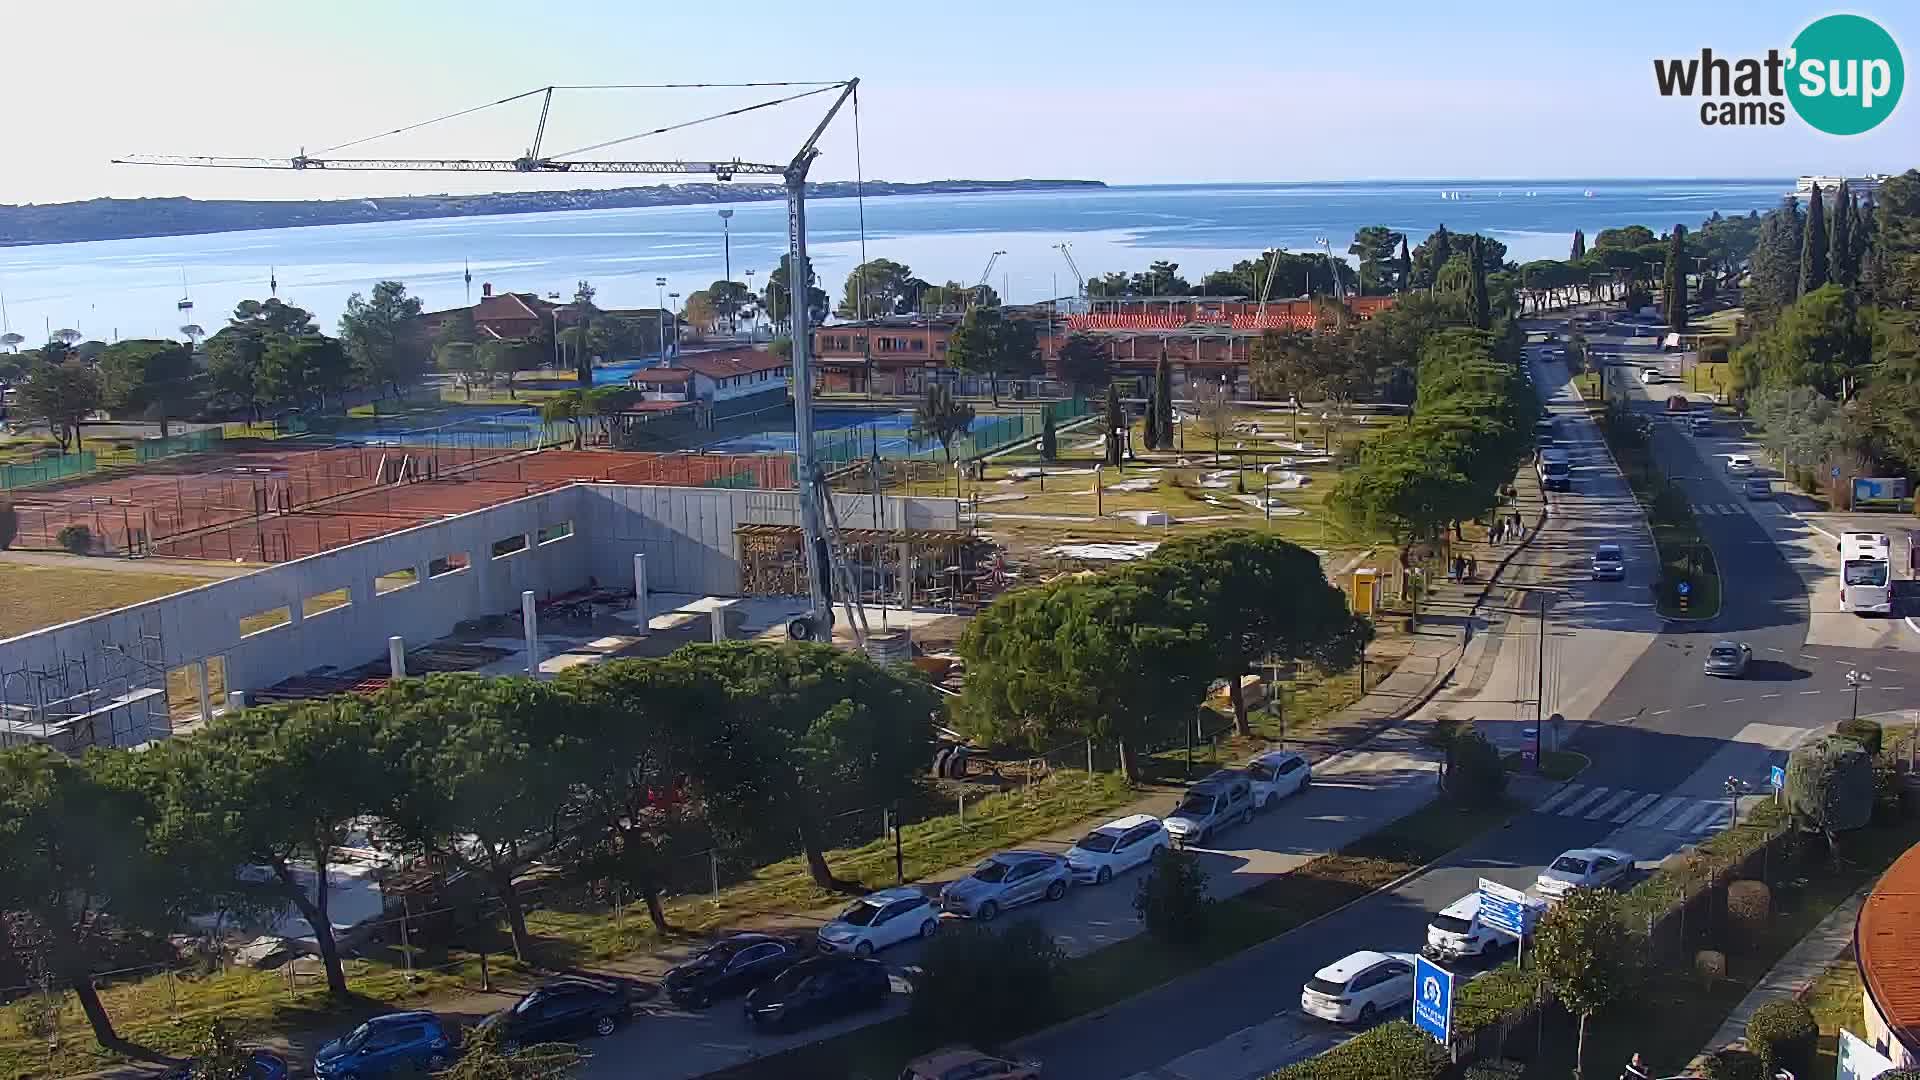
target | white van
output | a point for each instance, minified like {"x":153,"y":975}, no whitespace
{"x":1457,"y":932}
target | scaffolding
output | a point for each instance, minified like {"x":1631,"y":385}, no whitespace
{"x":117,"y":696}
{"x":930,"y":569}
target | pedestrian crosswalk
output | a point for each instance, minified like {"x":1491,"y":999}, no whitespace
{"x":1719,"y":508}
{"x":1638,"y":809}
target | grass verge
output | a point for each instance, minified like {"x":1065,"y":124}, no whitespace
{"x":1835,"y":999}
{"x":1141,"y":963}
{"x":1689,"y":585}
{"x":43,"y":596}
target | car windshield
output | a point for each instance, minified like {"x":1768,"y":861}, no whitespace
{"x":1322,"y":986}
{"x":1866,"y":573}
{"x":1556,"y":468}
{"x":1197,"y":804}
{"x":860,"y":913}
{"x":527,"y":1003}
{"x":1607,"y":554}
{"x":722,"y":951}
{"x":1725,"y":652}
{"x":785,"y":981}
{"x":1567,"y":864}
{"x":1452,"y":924}
{"x":991,"y":870}
{"x":1098,"y":842}
{"x":1261,"y":771}
{"x":358,"y":1038}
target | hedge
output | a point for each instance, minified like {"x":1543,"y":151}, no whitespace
{"x":1783,"y":1035}
{"x":1396,"y":1049}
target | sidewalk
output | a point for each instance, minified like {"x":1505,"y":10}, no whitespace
{"x":1795,"y":972}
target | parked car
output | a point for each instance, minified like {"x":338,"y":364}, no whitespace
{"x":1728,"y":659}
{"x":1739,"y":464}
{"x":1700,"y":424}
{"x":1359,"y":987}
{"x":1458,"y":932}
{"x":1209,"y":806}
{"x":817,"y":990}
{"x":1609,"y":563}
{"x":1758,"y":487}
{"x":880,"y":919}
{"x":966,"y":1063}
{"x":1649,"y":376}
{"x":1116,"y":847}
{"x":733,"y":965}
{"x":1276,"y":775}
{"x":1007,"y":880}
{"x":1582,"y":868}
{"x":561,"y":1010}
{"x":401,"y":1042}
{"x":265,"y":1065}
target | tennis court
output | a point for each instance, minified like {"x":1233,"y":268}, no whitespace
{"x":504,"y":429}
{"x":845,"y":435}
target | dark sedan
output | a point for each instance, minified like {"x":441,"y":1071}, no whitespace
{"x":562,"y":1010}
{"x":733,"y":965}
{"x":818,"y":990}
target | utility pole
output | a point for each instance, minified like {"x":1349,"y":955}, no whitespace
{"x":726,"y":242}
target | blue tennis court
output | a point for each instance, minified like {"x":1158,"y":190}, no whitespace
{"x":508,"y":428}
{"x":847,"y":434}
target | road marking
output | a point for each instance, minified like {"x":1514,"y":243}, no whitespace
{"x":1772,"y":649}
{"x":1606,"y":808}
{"x":1892,"y":688}
{"x":1686,"y":819}
{"x":1661,"y":712}
{"x":1715,"y":819}
{"x":1764,"y":697}
{"x":1632,"y":811}
{"x":1733,"y":701}
{"x":1894,"y":671}
{"x":1559,"y":797}
{"x":1574,"y":809}
{"x":1667,"y":806}
{"x":1808,"y":656}
{"x":1808,"y":693}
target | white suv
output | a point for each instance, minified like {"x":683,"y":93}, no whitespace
{"x":1276,"y":775}
{"x":878,"y":920}
{"x":1360,"y":987}
{"x":1457,"y":931}
{"x":1212,"y":804}
{"x":1116,"y":847}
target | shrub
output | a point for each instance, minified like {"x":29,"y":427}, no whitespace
{"x":1172,"y":899}
{"x":1863,"y":731}
{"x":1732,"y":1065}
{"x":75,"y":538}
{"x":981,"y":986}
{"x":1889,"y":804}
{"x":1475,"y":775}
{"x":9,"y":524}
{"x":1782,"y":1034}
{"x":1710,"y":965}
{"x":1830,"y":785}
{"x":1900,"y":1074}
{"x":1396,"y":1049}
{"x":1749,"y":903}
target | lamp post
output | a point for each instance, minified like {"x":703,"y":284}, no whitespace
{"x":675,"y":297}
{"x":753,"y":323}
{"x":1856,"y":677}
{"x":726,"y":243}
{"x":660,"y":293}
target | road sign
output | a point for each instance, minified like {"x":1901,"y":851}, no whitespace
{"x":1432,"y":999}
{"x":1836,"y":472}
{"x":1777,"y":777}
{"x":1506,"y":909}
{"x":1683,"y":588}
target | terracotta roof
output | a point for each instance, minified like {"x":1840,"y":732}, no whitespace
{"x":660,"y":375}
{"x":1886,"y":941}
{"x":728,"y":365}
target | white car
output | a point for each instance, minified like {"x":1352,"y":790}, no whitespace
{"x":1582,"y":868}
{"x":1739,"y":464}
{"x":1276,"y":775}
{"x":1360,"y":987}
{"x":1649,"y":376}
{"x":1457,"y":931}
{"x":1116,"y":847}
{"x":880,"y":919}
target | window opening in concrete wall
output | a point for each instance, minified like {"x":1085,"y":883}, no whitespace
{"x":447,"y":564}
{"x":262,"y":621}
{"x":319,"y":603}
{"x":183,"y":689}
{"x":509,"y":545}
{"x":557,"y":531}
{"x":395,"y":580}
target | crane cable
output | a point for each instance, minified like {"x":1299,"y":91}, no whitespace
{"x":701,"y":120}
{"x":435,"y":120}
{"x":860,"y":202}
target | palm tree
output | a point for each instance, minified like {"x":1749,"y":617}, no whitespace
{"x":193,"y":332}
{"x":571,"y":407}
{"x":67,"y":337}
{"x":11,"y":341}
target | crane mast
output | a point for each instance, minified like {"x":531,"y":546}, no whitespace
{"x":1065,"y":248}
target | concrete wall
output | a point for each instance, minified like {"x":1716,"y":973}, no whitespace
{"x":686,"y":533}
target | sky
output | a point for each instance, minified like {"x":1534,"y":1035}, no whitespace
{"x":1125,"y":91}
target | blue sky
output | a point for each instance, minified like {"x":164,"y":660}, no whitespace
{"x":1123,"y":91}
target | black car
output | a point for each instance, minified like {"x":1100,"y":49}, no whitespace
{"x":263,"y":1065}
{"x":817,"y":990}
{"x":732,"y":965}
{"x":562,"y":1010}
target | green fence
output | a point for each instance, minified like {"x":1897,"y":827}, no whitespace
{"x":839,"y":447}
{"x":193,"y":442}
{"x":46,"y":470}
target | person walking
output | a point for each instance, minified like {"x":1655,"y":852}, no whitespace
{"x":1636,"y":1070}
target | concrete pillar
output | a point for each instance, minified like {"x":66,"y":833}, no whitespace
{"x":530,"y":622}
{"x":206,"y":699}
{"x":640,"y":615}
{"x":718,"y":616}
{"x":236,"y":701}
{"x":397,"y":657}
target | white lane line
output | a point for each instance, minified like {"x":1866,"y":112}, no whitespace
{"x":1632,"y":811}
{"x":1684,"y":820}
{"x":1808,"y":693}
{"x":1894,"y":671}
{"x":1575,"y":808}
{"x":1559,"y":797}
{"x":1667,"y":806}
{"x":1891,"y":689}
{"x":1702,"y":705}
{"x":1714,"y":821}
{"x":1606,"y":808}
{"x":1772,"y":649}
{"x":1661,"y":712}
{"x":1733,"y":701}
{"x":1764,"y":697}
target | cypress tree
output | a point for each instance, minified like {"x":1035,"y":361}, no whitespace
{"x":1150,"y":428}
{"x":1813,"y":244}
{"x":1116,"y":420}
{"x":1579,"y":244}
{"x":1163,"y":399}
{"x":1477,"y":298}
{"x":1049,"y":438}
{"x":1841,"y":269}
{"x":1405,"y":265}
{"x":1675,"y":285}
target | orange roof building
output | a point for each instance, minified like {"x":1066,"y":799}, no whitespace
{"x":1886,"y":945}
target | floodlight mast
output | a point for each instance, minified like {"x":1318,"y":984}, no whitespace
{"x":817,"y":624}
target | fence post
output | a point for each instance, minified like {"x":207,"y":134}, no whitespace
{"x":406,"y":942}
{"x":486,"y":976}
{"x":1089,"y":761}
{"x":963,"y":808}
{"x":713,"y":867}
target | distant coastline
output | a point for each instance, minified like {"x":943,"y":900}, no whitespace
{"x":124,"y":219}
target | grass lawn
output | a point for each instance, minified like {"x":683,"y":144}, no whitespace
{"x":1710,"y":379}
{"x":1835,"y":999}
{"x":1141,"y":963}
{"x":1718,"y":322}
{"x":1554,"y":764}
{"x":43,"y":596}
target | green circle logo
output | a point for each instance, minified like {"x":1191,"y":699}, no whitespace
{"x":1846,"y":74}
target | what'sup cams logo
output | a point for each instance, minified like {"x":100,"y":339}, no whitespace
{"x":1842,"y":75}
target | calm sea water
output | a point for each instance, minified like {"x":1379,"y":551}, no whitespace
{"x":131,"y":287}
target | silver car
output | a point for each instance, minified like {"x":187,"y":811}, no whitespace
{"x":1212,"y":804}
{"x":1728,"y":659}
{"x":1007,"y":880}
{"x":1609,"y":563}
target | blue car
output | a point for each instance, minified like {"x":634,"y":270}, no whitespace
{"x":267,"y":1065}
{"x":406,"y":1040}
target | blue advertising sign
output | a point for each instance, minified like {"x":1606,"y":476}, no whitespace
{"x":1432,"y":999}
{"x":1777,"y":777}
{"x":1879,"y":488}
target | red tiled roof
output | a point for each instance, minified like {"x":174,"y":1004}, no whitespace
{"x":1886,"y":943}
{"x":728,"y":365}
{"x":660,"y":375}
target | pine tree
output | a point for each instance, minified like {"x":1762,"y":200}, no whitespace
{"x":1579,"y":244}
{"x":1675,"y":285}
{"x":1405,"y":266}
{"x":1813,"y":244}
{"x":1163,"y":400}
{"x":1477,"y":299}
{"x":1841,"y":269}
{"x":1776,"y":260}
{"x":1116,"y":421}
{"x":1049,"y":438}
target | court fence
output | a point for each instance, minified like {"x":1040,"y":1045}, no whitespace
{"x":192,"y":442}
{"x":47,"y":470}
{"x":841,"y":447}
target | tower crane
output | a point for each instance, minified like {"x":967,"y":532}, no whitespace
{"x":1339,"y":287}
{"x":824,"y":565}
{"x":980,"y":287}
{"x":1065,"y":248}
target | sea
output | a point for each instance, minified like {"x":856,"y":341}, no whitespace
{"x":136,"y":288}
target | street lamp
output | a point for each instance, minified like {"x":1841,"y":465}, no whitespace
{"x":1855,"y":677}
{"x":660,"y":287}
{"x":726,"y":241}
{"x":675,"y":297}
{"x":752,"y":323}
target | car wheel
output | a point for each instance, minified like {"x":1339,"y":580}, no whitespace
{"x":1367,"y":1014}
{"x":1246,"y":816}
{"x":929,"y":928}
{"x":1272,"y":801}
{"x":697,"y":1000}
{"x":604,"y":1026}
{"x":985,"y":912}
{"x":1158,"y":850}
{"x":863,"y":949}
{"x":1105,"y":875}
{"x":1056,"y":890}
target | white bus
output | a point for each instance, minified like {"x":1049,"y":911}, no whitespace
{"x":1866,"y":573}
